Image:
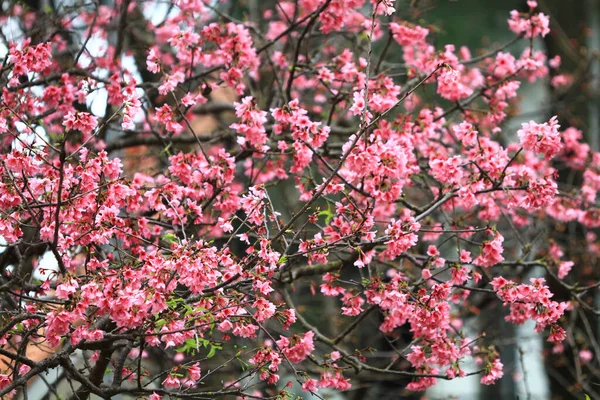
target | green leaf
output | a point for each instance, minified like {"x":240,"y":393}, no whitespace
{"x":327,"y":213}
{"x":211,"y":352}
{"x":189,"y":347}
{"x":167,"y":150}
{"x":170,"y":238}
{"x":188,"y":309}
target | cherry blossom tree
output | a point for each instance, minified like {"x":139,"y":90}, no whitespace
{"x":338,"y":185}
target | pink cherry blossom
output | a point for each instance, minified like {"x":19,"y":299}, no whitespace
{"x":541,"y":138}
